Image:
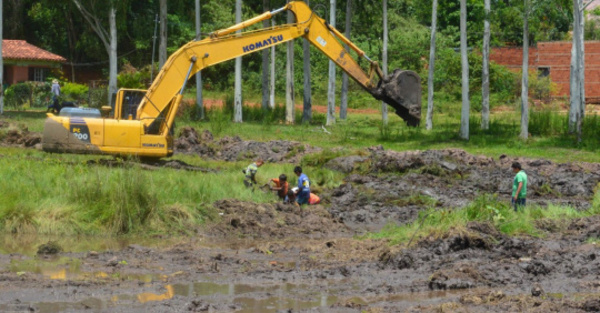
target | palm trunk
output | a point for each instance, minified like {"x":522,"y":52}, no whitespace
{"x":307,"y":104}
{"x":1,"y":66}
{"x":525,"y":78}
{"x":199,"y":100}
{"x":237,"y":107}
{"x":575,"y":94}
{"x":331,"y":85}
{"x":384,"y":108}
{"x":272,"y":82}
{"x":265,"y":65}
{"x":344,"y":96}
{"x":485,"y":73}
{"x":429,"y":120}
{"x":162,"y":46}
{"x":112,"y":79}
{"x":581,"y":59}
{"x":290,"y":112}
{"x":464,"y":119}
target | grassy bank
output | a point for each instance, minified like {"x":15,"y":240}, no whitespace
{"x":63,"y":194}
{"x":72,"y":194}
{"x":436,"y":222}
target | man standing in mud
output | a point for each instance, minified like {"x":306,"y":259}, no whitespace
{"x":519,"y":190}
{"x":303,"y":193}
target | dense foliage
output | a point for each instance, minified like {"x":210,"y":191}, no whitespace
{"x":59,"y":27}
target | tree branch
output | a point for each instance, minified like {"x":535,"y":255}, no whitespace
{"x":95,"y":24}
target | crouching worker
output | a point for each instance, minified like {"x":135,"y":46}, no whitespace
{"x":250,"y":172}
{"x":303,"y":193}
{"x":292,"y":197}
{"x":281,"y":186}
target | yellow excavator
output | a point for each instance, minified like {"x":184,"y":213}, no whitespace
{"x":141,"y":122}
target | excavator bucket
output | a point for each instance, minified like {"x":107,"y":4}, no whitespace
{"x":402,"y":91}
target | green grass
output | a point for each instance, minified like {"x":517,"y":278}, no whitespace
{"x":66,"y":195}
{"x":436,"y":222}
{"x":361,"y":131}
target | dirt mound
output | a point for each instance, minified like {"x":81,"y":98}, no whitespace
{"x":397,"y":185}
{"x":10,"y":135}
{"x":236,"y":149}
{"x":482,"y":257}
{"x":273,"y":220}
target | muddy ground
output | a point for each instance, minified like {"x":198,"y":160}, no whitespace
{"x":280,"y":258}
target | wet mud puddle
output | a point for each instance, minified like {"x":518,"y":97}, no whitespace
{"x":261,"y":297}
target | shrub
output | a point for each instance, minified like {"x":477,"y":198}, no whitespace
{"x":74,"y":92}
{"x":17,"y":95}
{"x":130,"y":77}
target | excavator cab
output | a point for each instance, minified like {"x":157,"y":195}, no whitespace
{"x":127,"y":102}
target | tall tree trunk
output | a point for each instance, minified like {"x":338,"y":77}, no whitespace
{"x":290,"y":111}
{"x":1,"y":65}
{"x":485,"y":73}
{"x":331,"y":85}
{"x":272,"y":83}
{"x":581,"y":59}
{"x":525,"y":78}
{"x":577,"y":86}
{"x":237,"y":107}
{"x":112,"y":78}
{"x":162,"y":46}
{"x":464,"y":118}
{"x":199,"y":100}
{"x":575,"y":94}
{"x":384,"y":108}
{"x":307,"y":107}
{"x":429,"y":120}
{"x":265,"y":65}
{"x":344,"y":96}
{"x":109,"y":39}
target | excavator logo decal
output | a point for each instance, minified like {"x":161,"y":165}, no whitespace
{"x":78,"y":128}
{"x":264,"y":43}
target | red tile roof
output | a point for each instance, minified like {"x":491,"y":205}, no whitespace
{"x":21,"y":50}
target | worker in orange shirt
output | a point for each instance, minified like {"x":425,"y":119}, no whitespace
{"x":281,"y":186}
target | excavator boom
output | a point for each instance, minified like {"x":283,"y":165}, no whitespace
{"x":141,"y":122}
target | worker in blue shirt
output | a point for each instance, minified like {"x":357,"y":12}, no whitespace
{"x":303,"y":186}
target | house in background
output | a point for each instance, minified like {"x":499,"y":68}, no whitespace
{"x":26,"y":62}
{"x":554,"y":59}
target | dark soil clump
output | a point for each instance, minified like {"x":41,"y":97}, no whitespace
{"x":274,"y":220}
{"x":398,"y":185}
{"x":18,"y":137}
{"x":236,"y":149}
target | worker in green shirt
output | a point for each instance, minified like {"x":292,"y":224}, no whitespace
{"x":250,"y":173}
{"x":519,"y":190}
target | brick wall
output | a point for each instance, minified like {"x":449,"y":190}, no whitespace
{"x":556,"y":56}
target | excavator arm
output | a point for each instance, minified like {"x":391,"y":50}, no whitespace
{"x":141,"y":123}
{"x":402,"y":92}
